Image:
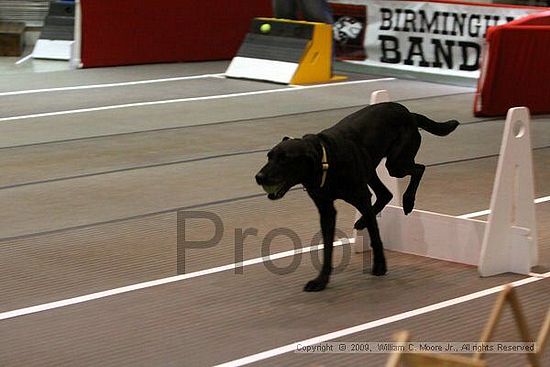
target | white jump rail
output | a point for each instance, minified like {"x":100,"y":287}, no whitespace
{"x":507,"y":242}
{"x":76,"y":52}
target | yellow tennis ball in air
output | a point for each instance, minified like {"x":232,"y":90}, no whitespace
{"x":265,"y":28}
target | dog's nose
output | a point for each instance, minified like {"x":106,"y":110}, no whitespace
{"x":260,"y":178}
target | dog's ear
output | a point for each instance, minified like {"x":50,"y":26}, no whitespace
{"x":311,"y":153}
{"x":286,"y":138}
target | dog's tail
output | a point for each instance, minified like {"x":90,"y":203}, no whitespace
{"x":436,"y":128}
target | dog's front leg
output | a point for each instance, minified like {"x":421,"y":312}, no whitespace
{"x":328,"y":224}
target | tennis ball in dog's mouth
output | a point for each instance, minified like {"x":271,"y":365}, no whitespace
{"x":265,"y":28}
{"x":271,"y":189}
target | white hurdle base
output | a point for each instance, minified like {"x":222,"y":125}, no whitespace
{"x":435,"y":235}
{"x":507,"y":242}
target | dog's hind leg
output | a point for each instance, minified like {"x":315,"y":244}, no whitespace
{"x":368,"y":220}
{"x":328,"y":225}
{"x":415,"y":171}
{"x":400,"y":163}
{"x":383,"y":195}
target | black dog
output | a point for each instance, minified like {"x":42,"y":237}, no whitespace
{"x":340,"y":162}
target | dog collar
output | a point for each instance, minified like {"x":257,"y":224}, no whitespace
{"x":324,"y":165}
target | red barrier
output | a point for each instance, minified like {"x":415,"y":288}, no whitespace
{"x":516,"y":69}
{"x":123,"y":32}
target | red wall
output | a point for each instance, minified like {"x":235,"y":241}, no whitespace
{"x":123,"y":32}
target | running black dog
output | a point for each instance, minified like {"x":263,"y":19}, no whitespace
{"x":340,"y":162}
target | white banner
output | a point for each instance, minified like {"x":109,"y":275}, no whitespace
{"x":424,"y":36}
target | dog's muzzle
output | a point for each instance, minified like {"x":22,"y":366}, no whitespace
{"x":260,"y":178}
{"x":274,"y":191}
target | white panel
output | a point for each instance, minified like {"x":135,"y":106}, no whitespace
{"x":52,"y":49}
{"x":433,"y":235}
{"x":260,"y":69}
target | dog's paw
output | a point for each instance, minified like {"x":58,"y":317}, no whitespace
{"x":408,"y":204}
{"x":360,"y":224}
{"x":379,"y":268}
{"x":315,"y":285}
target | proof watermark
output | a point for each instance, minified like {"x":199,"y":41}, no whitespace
{"x":213,"y":230}
{"x":420,"y":347}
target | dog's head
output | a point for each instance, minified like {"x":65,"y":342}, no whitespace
{"x":289,"y":163}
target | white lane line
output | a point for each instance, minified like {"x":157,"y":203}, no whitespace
{"x":475,"y":214}
{"x":373,"y":324}
{"x":542,"y":200}
{"x":488,"y":211}
{"x":190,"y":99}
{"x":153,"y":283}
{"x":107,"y":85}
{"x":157,"y":282}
